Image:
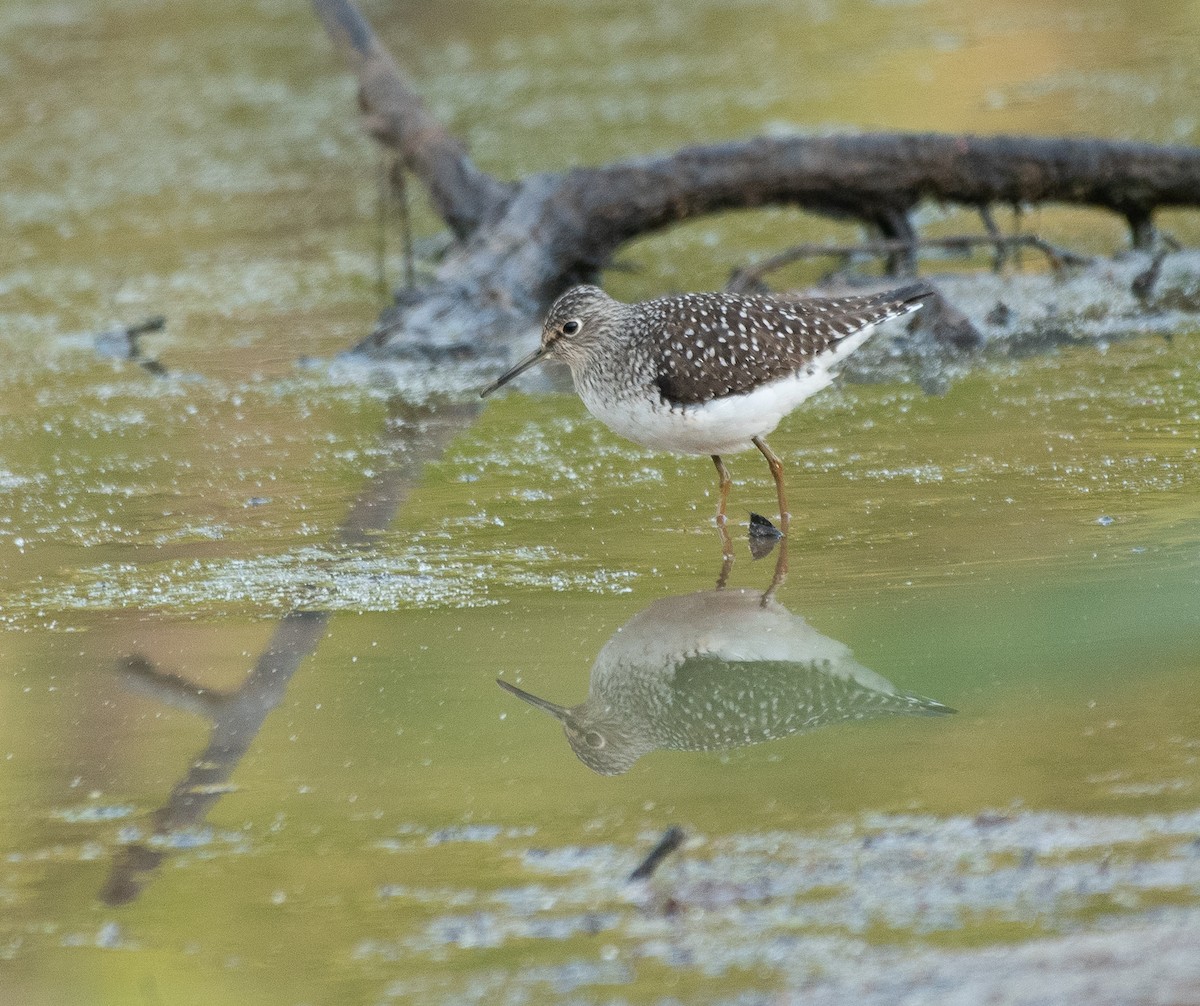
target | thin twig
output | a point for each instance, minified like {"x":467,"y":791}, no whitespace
{"x":383,"y":197}
{"x":400,"y":188}
{"x":155,"y":324}
{"x":393,"y":188}
{"x":993,"y":229}
{"x":125,"y":343}
{"x":749,"y":277}
{"x":1145,"y":281}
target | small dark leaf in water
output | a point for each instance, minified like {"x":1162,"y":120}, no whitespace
{"x":760,"y":527}
{"x":760,"y":548}
{"x":763,"y":538}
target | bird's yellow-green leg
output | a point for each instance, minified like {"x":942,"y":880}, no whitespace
{"x":781,"y":571}
{"x":777,"y":473}
{"x":722,"y":520}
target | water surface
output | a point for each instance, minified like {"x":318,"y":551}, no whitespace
{"x":254,"y":607}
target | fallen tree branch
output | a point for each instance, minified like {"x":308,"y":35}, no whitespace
{"x":873,"y":177}
{"x":522,"y":243}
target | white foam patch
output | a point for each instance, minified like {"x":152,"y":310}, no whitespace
{"x":812,"y":911}
{"x":312,"y":579}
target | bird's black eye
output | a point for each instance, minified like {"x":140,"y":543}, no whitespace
{"x":570,"y":327}
{"x":593,"y":739}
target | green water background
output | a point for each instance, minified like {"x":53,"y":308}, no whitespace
{"x":1023,"y":548}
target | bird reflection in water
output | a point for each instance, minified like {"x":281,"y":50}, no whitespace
{"x":714,"y":670}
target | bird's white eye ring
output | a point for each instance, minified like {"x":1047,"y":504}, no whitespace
{"x":593,"y":739}
{"x":570,"y":327}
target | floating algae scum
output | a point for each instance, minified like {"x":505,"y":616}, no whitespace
{"x":252,"y":745}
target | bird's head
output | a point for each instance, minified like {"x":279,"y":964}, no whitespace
{"x":597,"y":736}
{"x":575,"y":325}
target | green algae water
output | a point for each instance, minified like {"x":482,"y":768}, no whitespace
{"x":254,"y":602}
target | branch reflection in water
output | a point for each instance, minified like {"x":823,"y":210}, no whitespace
{"x":715,"y":670}
{"x":413,"y":436}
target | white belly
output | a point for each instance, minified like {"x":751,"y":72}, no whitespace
{"x":723,"y":425}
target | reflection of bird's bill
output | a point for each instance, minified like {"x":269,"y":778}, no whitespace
{"x":558,"y":712}
{"x":518,"y":368}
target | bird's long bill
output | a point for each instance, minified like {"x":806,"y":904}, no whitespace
{"x":558,"y":712}
{"x":517,"y":368}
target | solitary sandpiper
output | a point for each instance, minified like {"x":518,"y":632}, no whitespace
{"x":706,"y":373}
{"x":714,"y":670}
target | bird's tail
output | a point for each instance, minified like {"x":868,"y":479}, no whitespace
{"x":924,"y":707}
{"x":901,"y":300}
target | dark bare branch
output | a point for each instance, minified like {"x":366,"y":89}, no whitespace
{"x":463,"y":195}
{"x":873,"y":177}
{"x":533,"y":238}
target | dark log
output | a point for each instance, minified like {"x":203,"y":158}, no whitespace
{"x":521,"y":244}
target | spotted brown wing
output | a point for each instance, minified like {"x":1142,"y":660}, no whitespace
{"x":711,"y":345}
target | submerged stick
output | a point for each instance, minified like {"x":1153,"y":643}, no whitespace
{"x":672,"y":839}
